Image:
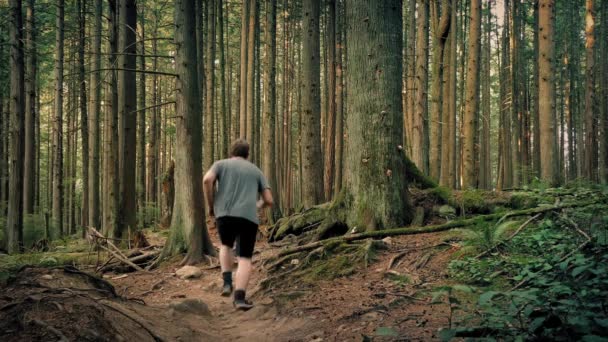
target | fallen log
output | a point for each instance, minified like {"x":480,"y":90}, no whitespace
{"x":379,"y":234}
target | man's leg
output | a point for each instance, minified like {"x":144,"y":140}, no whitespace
{"x":227,"y":236}
{"x":245,"y":245}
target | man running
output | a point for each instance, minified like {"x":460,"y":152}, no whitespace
{"x":234,"y":205}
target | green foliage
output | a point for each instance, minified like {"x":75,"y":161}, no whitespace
{"x":441,"y":194}
{"x":485,"y":236}
{"x":536,"y":288}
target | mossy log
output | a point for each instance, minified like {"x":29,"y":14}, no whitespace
{"x":433,"y":228}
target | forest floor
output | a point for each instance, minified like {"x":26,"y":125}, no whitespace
{"x":530,"y":265}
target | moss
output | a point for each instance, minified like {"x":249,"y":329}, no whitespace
{"x":441,"y":195}
{"x":522,"y":200}
{"x":473,"y":202}
{"x":9,"y":264}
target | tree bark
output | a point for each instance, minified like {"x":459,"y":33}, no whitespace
{"x":375,"y":161}
{"x":127,"y":104}
{"x":546,"y":91}
{"x":29,"y":157}
{"x":243,"y":74}
{"x":188,"y":231}
{"x":224,"y":113}
{"x":14,"y":222}
{"x":441,"y":30}
{"x":469,"y":179}
{"x":311,"y":105}
{"x":209,"y":124}
{"x":141,"y":126}
{"x":250,"y":79}
{"x":590,"y":147}
{"x":339,"y":145}
{"x":420,"y":113}
{"x":330,"y":136}
{"x":58,"y":124}
{"x":94,"y":121}
{"x":84,"y":123}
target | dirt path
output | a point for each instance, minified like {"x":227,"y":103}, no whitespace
{"x":370,"y":303}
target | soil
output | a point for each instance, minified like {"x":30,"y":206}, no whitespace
{"x":375,"y":303}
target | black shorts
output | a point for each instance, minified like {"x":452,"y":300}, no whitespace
{"x":240,"y":230}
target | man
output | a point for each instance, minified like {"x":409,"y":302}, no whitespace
{"x":234,"y":205}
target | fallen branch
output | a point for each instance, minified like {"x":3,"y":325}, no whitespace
{"x":124,"y":260}
{"x":379,"y":234}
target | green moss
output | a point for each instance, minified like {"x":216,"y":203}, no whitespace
{"x":522,"y":200}
{"x":473,"y":201}
{"x":441,"y":195}
{"x":9,"y":264}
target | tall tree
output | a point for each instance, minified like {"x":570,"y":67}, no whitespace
{"x":84,"y":124}
{"x":141,"y":122}
{"x":485,"y":171}
{"x":58,"y":124}
{"x":270,"y":105}
{"x":94,"y":119}
{"x":448,"y":134}
{"x":603,"y":122}
{"x":14,"y":224}
{"x":127,"y":123}
{"x":188,"y":230}
{"x":250,"y":79}
{"x":330,"y":145}
{"x":243,"y":71}
{"x":311,"y":105}
{"x":375,"y":163}
{"x":29,"y":157}
{"x":469,"y":179}
{"x":546,"y":90}
{"x":224,"y":113}
{"x":590,"y":147}
{"x":419,"y":153}
{"x":339,"y":145}
{"x":441,"y":19}
{"x":209,"y":120}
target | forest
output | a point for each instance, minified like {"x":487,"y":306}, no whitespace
{"x":439,"y":168}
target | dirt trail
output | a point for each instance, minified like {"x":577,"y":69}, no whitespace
{"x":370,"y":303}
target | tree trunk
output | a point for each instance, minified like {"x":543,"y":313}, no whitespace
{"x":209,"y":124}
{"x":469,"y":179}
{"x":127,"y":104}
{"x":14,"y":222}
{"x":58,"y":124}
{"x":94,"y":120}
{"x":441,"y":30}
{"x":243,"y":74}
{"x":375,"y":163}
{"x":330,"y":136}
{"x":590,"y":147}
{"x":250,"y":79}
{"x":535,"y":99}
{"x":141,"y":126}
{"x":603,"y":122}
{"x":153,"y":150}
{"x":111,"y":195}
{"x":224,"y":113}
{"x":270,"y":107}
{"x":448,"y":135}
{"x":485,"y":171}
{"x":84,"y":123}
{"x":410,"y":73}
{"x":420,"y":112}
{"x":29,"y":157}
{"x":516,"y":95}
{"x":339,"y":145}
{"x":546,"y":91}
{"x":311,"y":105}
{"x":188,"y":230}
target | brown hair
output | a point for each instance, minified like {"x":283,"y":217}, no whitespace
{"x":240,"y":148}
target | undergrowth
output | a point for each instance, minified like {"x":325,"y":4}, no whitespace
{"x":546,"y":283}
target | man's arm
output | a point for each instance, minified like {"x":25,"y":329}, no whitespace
{"x":266,"y":199}
{"x":208,"y":183}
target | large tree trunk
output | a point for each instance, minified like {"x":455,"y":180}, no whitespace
{"x":535,"y":99}
{"x":603,"y":122}
{"x":469,"y":179}
{"x":330,"y":136}
{"x":546,"y":93}
{"x":111,"y":186}
{"x":448,"y":135}
{"x":84,"y":124}
{"x":375,"y":160}
{"x":29,"y":157}
{"x":14,"y":222}
{"x":224,"y":113}
{"x":485,"y":171}
{"x":243,"y":73}
{"x":141,"y":127}
{"x":188,"y":231}
{"x":516,"y":95}
{"x":209,"y":124}
{"x":153,"y":141}
{"x":270,"y":106}
{"x":250,"y":79}
{"x":339,"y":146}
{"x":311,"y":106}
{"x":441,"y":30}
{"x":127,"y":105}
{"x":94,"y":120}
{"x":590,"y":147}
{"x":418,"y":153}
{"x":58,"y":124}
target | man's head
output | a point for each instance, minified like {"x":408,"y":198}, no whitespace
{"x":240,"y":148}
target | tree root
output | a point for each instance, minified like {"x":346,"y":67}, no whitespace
{"x":433,"y":228}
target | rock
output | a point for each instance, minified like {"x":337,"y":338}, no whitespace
{"x":295,"y":261}
{"x":388,"y":240}
{"x":47,"y":277}
{"x":191,"y":306}
{"x":212,"y":286}
{"x":371,"y":316}
{"x":189,"y":272}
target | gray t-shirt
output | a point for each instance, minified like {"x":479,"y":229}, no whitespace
{"x":238,"y":184}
